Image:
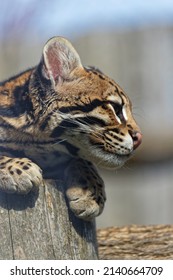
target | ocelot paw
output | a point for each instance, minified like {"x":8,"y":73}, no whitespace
{"x":82,"y":203}
{"x":19,"y":175}
{"x":85,"y":190}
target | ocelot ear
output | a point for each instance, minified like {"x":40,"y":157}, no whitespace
{"x":59,"y":59}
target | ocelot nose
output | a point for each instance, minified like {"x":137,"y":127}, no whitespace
{"x":137,"y":138}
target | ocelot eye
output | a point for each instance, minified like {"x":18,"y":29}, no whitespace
{"x":104,"y":106}
{"x":118,"y":109}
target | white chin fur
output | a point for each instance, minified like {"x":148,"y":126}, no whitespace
{"x":106,"y":160}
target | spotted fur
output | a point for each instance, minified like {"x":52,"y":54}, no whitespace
{"x":60,"y":119}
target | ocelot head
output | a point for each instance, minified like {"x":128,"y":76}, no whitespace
{"x":84,"y":108}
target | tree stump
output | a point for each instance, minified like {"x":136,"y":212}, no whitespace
{"x":40,"y":226}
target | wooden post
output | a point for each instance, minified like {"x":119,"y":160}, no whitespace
{"x":40,"y":226}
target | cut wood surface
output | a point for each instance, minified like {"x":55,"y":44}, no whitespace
{"x":136,"y":242}
{"x":40,"y":226}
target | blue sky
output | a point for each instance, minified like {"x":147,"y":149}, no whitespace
{"x":66,"y":17}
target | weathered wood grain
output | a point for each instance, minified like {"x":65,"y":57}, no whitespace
{"x":136,"y":242}
{"x":6,"y":250}
{"x":40,"y":226}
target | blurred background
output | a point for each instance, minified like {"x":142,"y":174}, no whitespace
{"x":132,"y":41}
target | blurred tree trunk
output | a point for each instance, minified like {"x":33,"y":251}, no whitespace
{"x":136,"y":242}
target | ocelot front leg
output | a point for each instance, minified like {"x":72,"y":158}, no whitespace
{"x":85,"y":189}
{"x":19,"y":175}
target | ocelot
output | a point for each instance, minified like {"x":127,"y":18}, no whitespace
{"x":60,"y":120}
